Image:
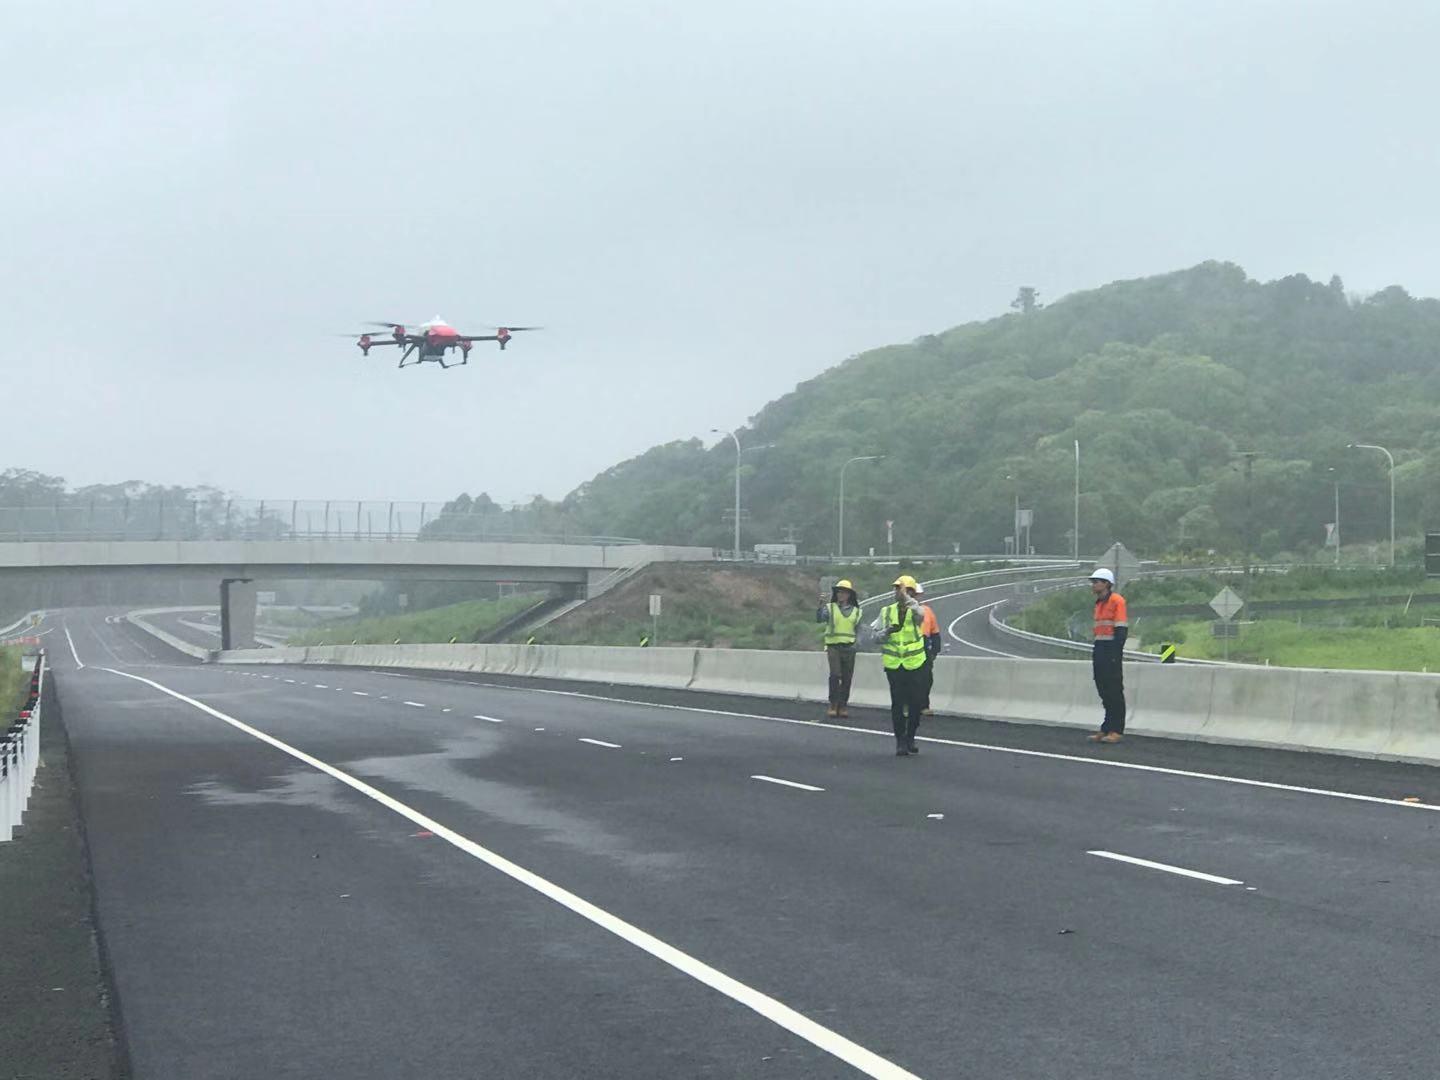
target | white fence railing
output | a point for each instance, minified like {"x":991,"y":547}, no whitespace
{"x":20,"y":755}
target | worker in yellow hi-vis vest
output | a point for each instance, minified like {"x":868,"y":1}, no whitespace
{"x":900,"y":628}
{"x":840,"y":616}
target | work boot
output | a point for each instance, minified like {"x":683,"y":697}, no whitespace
{"x":1111,"y":737}
{"x":843,"y":712}
{"x":1096,"y":736}
{"x":928,"y":712}
{"x":833,"y":710}
{"x":901,"y":750}
{"x":913,"y":748}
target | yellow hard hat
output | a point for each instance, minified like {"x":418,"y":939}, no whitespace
{"x":906,"y":580}
{"x":844,"y":583}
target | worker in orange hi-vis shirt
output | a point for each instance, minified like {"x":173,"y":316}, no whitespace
{"x":930,"y":630}
{"x":1112,"y":627}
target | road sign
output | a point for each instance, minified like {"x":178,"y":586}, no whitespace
{"x":1227,"y":603}
{"x":403,"y":600}
{"x":1432,"y":554}
{"x":1122,"y":561}
{"x":265,"y":598}
{"x":654,"y":605}
{"x":1026,"y":519}
{"x":1167,"y":653}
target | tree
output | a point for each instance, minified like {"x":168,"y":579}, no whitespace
{"x":1027,"y":300}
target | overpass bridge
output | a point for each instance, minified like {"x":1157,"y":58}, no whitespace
{"x":236,"y":565}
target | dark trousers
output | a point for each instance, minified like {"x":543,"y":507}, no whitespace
{"x":842,"y":670}
{"x":907,"y":695}
{"x":1110,"y":682}
{"x":927,"y":680}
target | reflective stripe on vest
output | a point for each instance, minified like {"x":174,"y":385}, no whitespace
{"x":841,"y":628}
{"x":906,"y":646}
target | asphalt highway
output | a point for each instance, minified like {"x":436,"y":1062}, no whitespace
{"x":965,"y":619}
{"x":307,"y":872}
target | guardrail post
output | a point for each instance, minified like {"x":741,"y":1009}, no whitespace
{"x":390,"y":524}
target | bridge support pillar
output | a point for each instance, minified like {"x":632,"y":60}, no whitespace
{"x":237,"y":613}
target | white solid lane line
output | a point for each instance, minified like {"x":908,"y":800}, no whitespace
{"x":970,"y":644}
{"x":607,"y":745}
{"x":1166,"y":867}
{"x":787,"y":783}
{"x":78,"y":662}
{"x":778,"y":1013}
{"x":1075,"y":759}
{"x":414,"y":704}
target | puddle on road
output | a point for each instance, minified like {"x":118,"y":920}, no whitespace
{"x":447,"y":773}
{"x":304,"y":788}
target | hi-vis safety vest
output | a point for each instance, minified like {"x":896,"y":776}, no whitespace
{"x":905,"y":648}
{"x":840,"y":630}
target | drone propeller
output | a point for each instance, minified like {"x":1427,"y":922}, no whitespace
{"x":388,"y":325}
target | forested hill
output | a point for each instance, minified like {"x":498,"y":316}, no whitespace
{"x":1162,"y":380}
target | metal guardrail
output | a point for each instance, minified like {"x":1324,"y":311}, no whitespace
{"x":285,"y":519}
{"x":20,"y":756}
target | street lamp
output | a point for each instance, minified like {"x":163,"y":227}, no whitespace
{"x":1336,"y":477}
{"x":840,"y":540}
{"x":1391,"y":459}
{"x":1075,"y":546}
{"x":736,"y":438}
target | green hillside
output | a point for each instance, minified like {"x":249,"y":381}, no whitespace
{"x":1162,"y":380}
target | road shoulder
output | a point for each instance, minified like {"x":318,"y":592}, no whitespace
{"x":57,"y":1020}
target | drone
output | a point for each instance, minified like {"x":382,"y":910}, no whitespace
{"x":430,"y":342}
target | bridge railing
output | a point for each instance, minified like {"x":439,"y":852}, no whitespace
{"x":287,"y":519}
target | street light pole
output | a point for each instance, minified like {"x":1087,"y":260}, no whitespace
{"x":736,"y":439}
{"x":1075,"y":546}
{"x":1391,"y":459}
{"x":840,"y":539}
{"x":1336,"y":477}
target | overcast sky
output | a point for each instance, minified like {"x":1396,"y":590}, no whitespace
{"x":704,"y":203}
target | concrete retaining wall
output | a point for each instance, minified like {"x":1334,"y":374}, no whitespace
{"x":1362,"y":713}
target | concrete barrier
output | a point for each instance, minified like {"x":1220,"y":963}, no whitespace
{"x":1363,"y":713}
{"x":1169,"y":699}
{"x":1254,"y":705}
{"x":1415,"y":720}
{"x":180,"y":645}
{"x":795,"y":676}
{"x":983,"y":688}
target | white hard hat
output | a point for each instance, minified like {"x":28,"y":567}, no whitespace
{"x":1101,"y":574}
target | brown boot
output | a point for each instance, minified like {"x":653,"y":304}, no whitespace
{"x":842,"y":711}
{"x":1096,"y":736}
{"x":1111,"y":737}
{"x":833,"y":710}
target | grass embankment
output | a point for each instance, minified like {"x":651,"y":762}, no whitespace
{"x":462,"y":622}
{"x":734,"y":606}
{"x":14,"y":681}
{"x":1382,"y":636}
{"x":727,"y":606}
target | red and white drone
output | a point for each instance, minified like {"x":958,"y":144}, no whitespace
{"x":428,"y":342}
